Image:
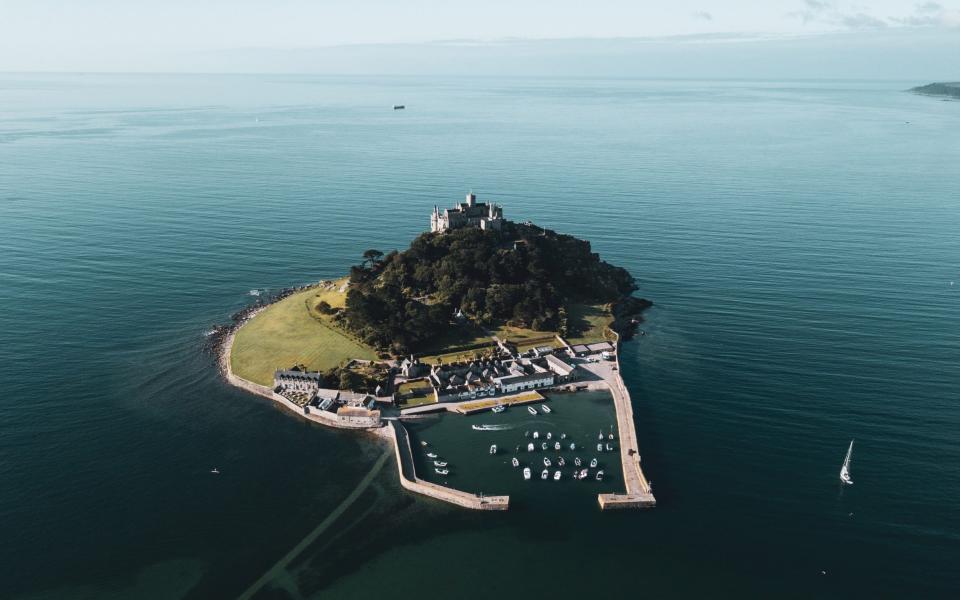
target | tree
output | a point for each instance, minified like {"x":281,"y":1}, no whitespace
{"x":372,"y":256}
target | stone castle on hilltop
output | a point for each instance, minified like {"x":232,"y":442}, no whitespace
{"x":467,"y":214}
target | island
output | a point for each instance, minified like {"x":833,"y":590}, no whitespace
{"x":479,"y":314}
{"x":943,"y":89}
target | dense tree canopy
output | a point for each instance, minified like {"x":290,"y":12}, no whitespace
{"x":523,"y":275}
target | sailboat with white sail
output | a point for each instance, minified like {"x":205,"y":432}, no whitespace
{"x":845,"y":469}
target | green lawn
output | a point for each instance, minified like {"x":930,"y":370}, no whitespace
{"x":285,"y":334}
{"x":588,"y":323}
{"x":519,"y":335}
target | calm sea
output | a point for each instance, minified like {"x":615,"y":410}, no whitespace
{"x":800,"y":239}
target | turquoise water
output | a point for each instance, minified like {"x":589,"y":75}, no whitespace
{"x":799,"y":240}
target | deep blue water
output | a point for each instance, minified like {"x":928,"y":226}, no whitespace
{"x":799,"y":239}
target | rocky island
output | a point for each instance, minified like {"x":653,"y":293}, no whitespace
{"x":478,"y":314}
{"x":943,"y":89}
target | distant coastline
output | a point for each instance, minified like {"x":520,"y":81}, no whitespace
{"x":941,"y":89}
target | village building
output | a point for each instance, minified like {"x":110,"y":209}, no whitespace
{"x":470,"y":213}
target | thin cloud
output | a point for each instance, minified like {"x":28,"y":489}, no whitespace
{"x":703,"y":15}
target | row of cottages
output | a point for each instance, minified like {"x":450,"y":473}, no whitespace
{"x":347,"y":409}
{"x":466,"y":381}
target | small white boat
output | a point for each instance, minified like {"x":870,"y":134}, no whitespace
{"x":556,"y":446}
{"x":515,"y":462}
{"x":431,"y":455}
{"x":215,"y":471}
{"x":439,"y":463}
{"x":599,"y":447}
{"x":423,"y":443}
{"x":600,"y":437}
{"x":530,"y":447}
{"x":493,"y":449}
{"x":549,"y":436}
{"x":546,"y":461}
{"x":610,"y":435}
{"x":609,"y":447}
{"x":593,"y":464}
{"x":600,"y":475}
{"x":526,"y":473}
{"x":499,"y":408}
{"x":561,"y":462}
{"x":556,"y":476}
{"x":546,"y":409}
{"x":583,"y":473}
{"x":543,"y":446}
{"x":536,"y":435}
{"x":577,"y":461}
{"x":573,"y":446}
{"x":845,"y":469}
{"x":531,"y":410}
{"x":442,"y":471}
{"x":563,"y":436}
{"x":544,"y":474}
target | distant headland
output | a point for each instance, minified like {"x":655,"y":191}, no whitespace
{"x":478,"y":314}
{"x":945,"y":89}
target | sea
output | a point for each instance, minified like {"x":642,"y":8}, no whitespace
{"x":800,"y":241}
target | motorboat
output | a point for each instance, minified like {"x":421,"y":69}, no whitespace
{"x":845,"y":469}
{"x":530,"y":447}
{"x":215,"y":471}
{"x":561,"y":461}
{"x":583,"y":473}
{"x":600,"y":475}
{"x":546,"y":461}
{"x":563,"y":436}
{"x":544,"y":474}
{"x":577,"y":461}
{"x":543,"y":446}
{"x":599,"y":447}
{"x":515,"y":462}
{"x":531,"y":410}
{"x":493,"y":449}
{"x":431,"y":455}
{"x":546,"y":409}
{"x":556,"y":446}
{"x":609,"y":447}
{"x":499,"y":408}
{"x":549,"y":436}
{"x":573,"y":446}
{"x":423,"y":442}
{"x":439,"y":463}
{"x":536,"y":435}
{"x":442,"y":471}
{"x":556,"y":476}
{"x":526,"y":473}
{"x":593,"y":464}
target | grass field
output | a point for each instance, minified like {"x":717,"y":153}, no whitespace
{"x":588,"y":323}
{"x":285,"y":334}
{"x":518,"y":335}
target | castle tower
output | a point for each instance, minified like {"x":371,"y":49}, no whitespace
{"x":471,"y":199}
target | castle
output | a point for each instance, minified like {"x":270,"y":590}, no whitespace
{"x":467,"y":214}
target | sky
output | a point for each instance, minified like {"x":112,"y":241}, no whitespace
{"x":879,"y":38}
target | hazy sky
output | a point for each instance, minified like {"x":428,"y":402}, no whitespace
{"x":289,"y":35}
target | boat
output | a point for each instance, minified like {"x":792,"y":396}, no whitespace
{"x":215,"y":471}
{"x":546,"y":461}
{"x":610,"y":435}
{"x":423,"y":442}
{"x":577,"y":461}
{"x":526,"y":433}
{"x":600,"y":437}
{"x":549,"y":436}
{"x":845,"y":469}
{"x":583,"y":473}
{"x":530,"y":447}
{"x":556,"y":446}
{"x":531,"y":410}
{"x":493,"y":449}
{"x":599,"y":447}
{"x":600,"y":475}
{"x":536,"y":435}
{"x":546,"y":409}
{"x":399,"y":107}
{"x":563,"y":436}
{"x":556,"y":476}
{"x":431,"y":455}
{"x":442,"y":471}
{"x":544,"y":474}
{"x":609,"y":447}
{"x":499,"y":408}
{"x":593,"y":464}
{"x":526,"y":473}
{"x":515,"y":462}
{"x":573,"y":446}
{"x":543,"y":446}
{"x":561,"y":462}
{"x":439,"y":463}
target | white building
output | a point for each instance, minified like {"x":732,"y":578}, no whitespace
{"x":467,"y":214}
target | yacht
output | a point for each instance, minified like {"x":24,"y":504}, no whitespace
{"x":544,"y":474}
{"x":515,"y":462}
{"x":543,"y":446}
{"x":536,"y":435}
{"x":593,"y":464}
{"x":845,"y":469}
{"x":530,"y":447}
{"x":556,"y":446}
{"x":442,"y":471}
{"x":549,"y":436}
{"x":546,"y":409}
{"x":609,"y":447}
{"x":493,"y":449}
{"x":577,"y":461}
{"x":599,"y":447}
{"x":526,"y":473}
{"x":600,"y":475}
{"x":556,"y":476}
{"x":573,"y":446}
{"x":431,"y":455}
{"x":546,"y":461}
{"x":439,"y":463}
{"x":561,"y":462}
{"x":531,"y":410}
